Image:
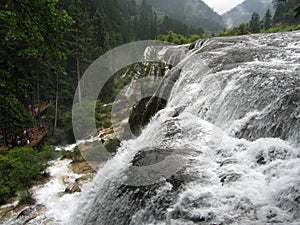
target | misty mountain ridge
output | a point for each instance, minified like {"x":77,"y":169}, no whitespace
{"x":242,"y":12}
{"x":194,"y":13}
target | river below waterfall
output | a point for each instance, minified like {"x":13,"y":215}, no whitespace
{"x":55,"y":200}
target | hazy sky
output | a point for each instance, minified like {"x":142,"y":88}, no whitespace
{"x":221,"y":6}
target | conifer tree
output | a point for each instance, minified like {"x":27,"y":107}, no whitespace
{"x":267,"y":20}
{"x":254,"y":24}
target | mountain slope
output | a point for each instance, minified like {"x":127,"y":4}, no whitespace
{"x":242,"y":12}
{"x":194,"y":13}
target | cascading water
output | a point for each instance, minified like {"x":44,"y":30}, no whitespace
{"x":225,"y":150}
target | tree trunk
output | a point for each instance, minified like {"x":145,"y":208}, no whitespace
{"x":56,"y":103}
{"x":78,"y":77}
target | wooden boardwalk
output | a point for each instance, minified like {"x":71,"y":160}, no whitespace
{"x":38,"y":137}
{"x":41,"y":108}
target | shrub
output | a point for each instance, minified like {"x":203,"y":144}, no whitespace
{"x":20,"y":168}
{"x":26,"y":198}
{"x":47,"y":153}
{"x":66,"y":154}
{"x":112,"y":145}
{"x":77,"y":157}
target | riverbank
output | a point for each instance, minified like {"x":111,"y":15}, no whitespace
{"x":53,"y":197}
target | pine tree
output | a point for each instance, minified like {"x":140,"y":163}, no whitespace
{"x":254,"y":24}
{"x":267,"y":20}
{"x":242,"y":29}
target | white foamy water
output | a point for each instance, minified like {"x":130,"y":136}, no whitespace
{"x":58,"y":204}
{"x":231,"y":127}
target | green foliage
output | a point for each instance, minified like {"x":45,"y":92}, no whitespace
{"x":82,"y":112}
{"x":194,"y":37}
{"x":142,"y":20}
{"x":267,"y":21}
{"x":66,"y":154}
{"x":112,"y":145}
{"x":243,"y":29}
{"x":26,"y":198}
{"x":47,"y":44}
{"x":297,"y":11}
{"x":14,"y":117}
{"x":282,"y":29}
{"x":38,"y":25}
{"x":195,"y":14}
{"x":103,"y":114}
{"x":179,"y":38}
{"x":281,"y":22}
{"x":46,"y":153}
{"x":114,"y":85}
{"x":255,"y":24}
{"x":32,"y":47}
{"x":20,"y":168}
{"x":173,"y":38}
{"x":286,"y":12}
{"x":75,"y":155}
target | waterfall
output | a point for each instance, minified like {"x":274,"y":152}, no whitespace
{"x":224,"y":150}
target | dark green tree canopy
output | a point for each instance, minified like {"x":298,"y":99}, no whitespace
{"x":32,"y":39}
{"x":37,"y":25}
{"x":286,"y":12}
{"x":267,"y":21}
{"x":254,"y":24}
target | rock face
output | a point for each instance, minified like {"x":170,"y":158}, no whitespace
{"x":224,"y":150}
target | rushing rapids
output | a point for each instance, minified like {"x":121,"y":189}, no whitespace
{"x":224,"y":150}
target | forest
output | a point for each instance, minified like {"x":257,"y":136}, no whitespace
{"x":46,"y":45}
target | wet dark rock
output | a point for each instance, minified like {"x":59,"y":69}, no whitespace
{"x":73,"y":189}
{"x":261,"y":160}
{"x":231,"y":177}
{"x":148,"y":107}
{"x":147,"y":202}
{"x":271,"y":154}
{"x":143,"y":111}
{"x":192,"y":45}
{"x":25,"y":212}
{"x":150,"y":156}
{"x":228,"y":161}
